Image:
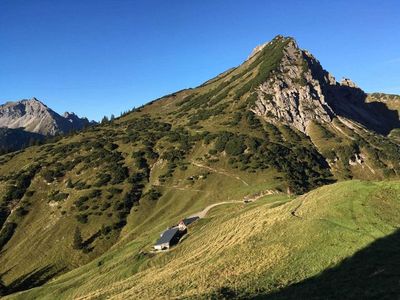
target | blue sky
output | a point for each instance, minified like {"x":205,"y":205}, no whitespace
{"x":97,"y":57}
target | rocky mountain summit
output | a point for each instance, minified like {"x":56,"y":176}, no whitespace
{"x":300,"y":91}
{"x":34,"y":116}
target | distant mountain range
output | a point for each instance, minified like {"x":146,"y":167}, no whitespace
{"x":28,"y":120}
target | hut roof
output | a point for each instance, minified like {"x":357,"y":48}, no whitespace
{"x":167,"y":236}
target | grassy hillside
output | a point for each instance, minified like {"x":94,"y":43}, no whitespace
{"x":245,"y":251}
{"x":100,"y":196}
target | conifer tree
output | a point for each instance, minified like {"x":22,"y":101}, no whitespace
{"x":77,"y":243}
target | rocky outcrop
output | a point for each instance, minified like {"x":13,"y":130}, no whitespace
{"x":76,"y":121}
{"x":300,"y":91}
{"x":34,"y":116}
{"x":295,"y":94}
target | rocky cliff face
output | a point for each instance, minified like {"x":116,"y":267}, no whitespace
{"x":34,"y":116}
{"x":300,"y":91}
{"x":293,"y":95}
{"x":76,"y":121}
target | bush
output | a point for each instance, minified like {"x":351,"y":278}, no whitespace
{"x":81,"y":201}
{"x":235,"y":146}
{"x":77,"y":241}
{"x":69,"y":184}
{"x":103,"y":179}
{"x":60,"y":196}
{"x":105,"y":230}
{"x":21,"y":211}
{"x":120,"y":173}
{"x":252,"y":120}
{"x":82,"y":218}
{"x":94,"y":194}
{"x":212,"y":151}
{"x":221,"y":141}
{"x":81,"y":185}
{"x":154,"y":194}
{"x":30,"y":193}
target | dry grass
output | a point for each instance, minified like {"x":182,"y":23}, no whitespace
{"x":250,"y":249}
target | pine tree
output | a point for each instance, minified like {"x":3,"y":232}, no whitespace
{"x":70,"y":184}
{"x":77,"y":244}
{"x":112,"y":117}
{"x":104,"y":120}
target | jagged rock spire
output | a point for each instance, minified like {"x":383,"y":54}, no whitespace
{"x":294,"y":94}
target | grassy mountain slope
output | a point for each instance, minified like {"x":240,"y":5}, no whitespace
{"x":104,"y":194}
{"x":247,"y":250}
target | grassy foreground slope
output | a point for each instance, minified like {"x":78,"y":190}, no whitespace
{"x":263,"y":248}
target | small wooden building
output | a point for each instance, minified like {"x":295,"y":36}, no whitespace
{"x":169,"y":238}
{"x":186,"y":222}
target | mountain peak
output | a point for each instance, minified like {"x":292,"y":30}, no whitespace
{"x":348,"y":82}
{"x":278,"y":38}
{"x":294,"y":93}
{"x":69,"y":115}
{"x":34,"y":116}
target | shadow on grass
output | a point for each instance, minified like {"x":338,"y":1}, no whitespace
{"x":371,"y":273}
{"x":33,"y":279}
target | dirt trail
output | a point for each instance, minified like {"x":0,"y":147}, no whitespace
{"x":204,"y":212}
{"x":246,"y":199}
{"x":223,"y":172}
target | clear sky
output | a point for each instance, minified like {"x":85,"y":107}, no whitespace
{"x":97,"y":57}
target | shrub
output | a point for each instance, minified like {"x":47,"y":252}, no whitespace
{"x":69,"y":184}
{"x":60,"y":196}
{"x":120,"y":173}
{"x":81,"y":201}
{"x":154,"y":194}
{"x":21,"y":211}
{"x":95,"y":194}
{"x":103,"y":179}
{"x":105,"y":230}
{"x":82,"y":218}
{"x":30,"y":193}
{"x":221,"y":141}
{"x":77,"y":242}
{"x":252,"y":120}
{"x":235,"y":146}
{"x":212,"y":151}
{"x":105,"y":206}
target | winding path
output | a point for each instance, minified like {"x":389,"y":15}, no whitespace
{"x":204,"y":212}
{"x":246,"y":199}
{"x":219,"y":172}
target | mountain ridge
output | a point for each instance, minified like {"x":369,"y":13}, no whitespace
{"x":115,"y":186}
{"x":301,"y":91}
{"x":34,"y":116}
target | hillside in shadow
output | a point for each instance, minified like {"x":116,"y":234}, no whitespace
{"x":33,"y":279}
{"x":351,"y":103}
{"x":371,"y":273}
